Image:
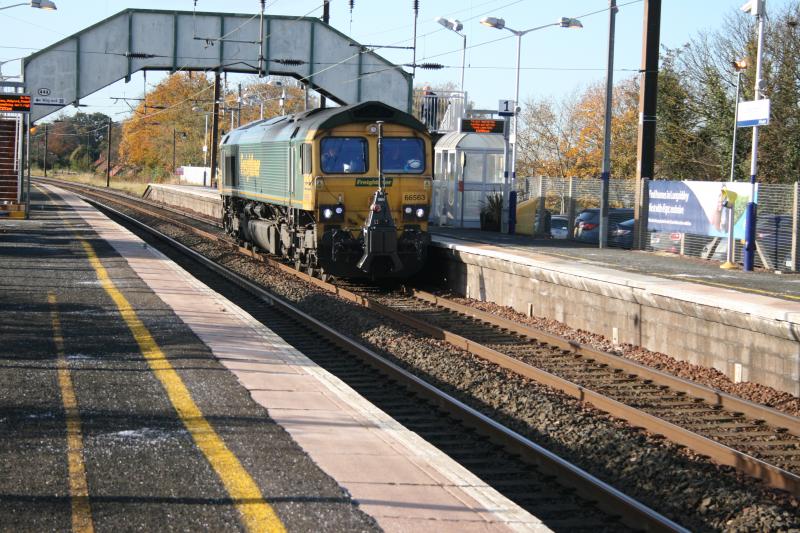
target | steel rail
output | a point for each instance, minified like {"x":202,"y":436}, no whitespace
{"x":709,"y":395}
{"x":771,"y":475}
{"x":631,"y":512}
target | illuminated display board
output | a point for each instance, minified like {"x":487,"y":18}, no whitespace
{"x":481,"y":125}
{"x":15,"y":103}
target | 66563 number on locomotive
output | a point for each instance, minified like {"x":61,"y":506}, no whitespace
{"x":342,"y":191}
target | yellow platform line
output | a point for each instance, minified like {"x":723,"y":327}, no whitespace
{"x":78,"y":486}
{"x":256,"y":513}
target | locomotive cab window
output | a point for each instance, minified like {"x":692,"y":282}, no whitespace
{"x":403,"y":155}
{"x":344,"y":155}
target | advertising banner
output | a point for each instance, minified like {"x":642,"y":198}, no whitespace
{"x":696,"y":207}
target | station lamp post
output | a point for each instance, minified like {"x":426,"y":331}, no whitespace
{"x":455,"y":26}
{"x":175,"y":134}
{"x":605,"y":172}
{"x":47,"y":5}
{"x":500,"y":24}
{"x":205,"y":135}
{"x":758,"y":10}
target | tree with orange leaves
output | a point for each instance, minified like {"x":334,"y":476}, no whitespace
{"x":166,"y":111}
{"x":174,"y":112}
{"x":565,"y":138}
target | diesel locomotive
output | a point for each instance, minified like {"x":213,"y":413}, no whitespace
{"x":340,"y":191}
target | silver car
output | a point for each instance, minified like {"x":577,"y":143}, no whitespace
{"x":559,"y":226}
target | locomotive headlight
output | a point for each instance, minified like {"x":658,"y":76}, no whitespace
{"x":331,"y":213}
{"x":412,"y":213}
{"x":319,"y":183}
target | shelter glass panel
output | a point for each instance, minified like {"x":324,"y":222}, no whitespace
{"x":494,"y":168}
{"x":472,"y":204}
{"x":451,"y":165}
{"x":474,"y":170}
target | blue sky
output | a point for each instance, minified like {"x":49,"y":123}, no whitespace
{"x":554,"y":60}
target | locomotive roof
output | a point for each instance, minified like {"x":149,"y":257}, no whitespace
{"x":288,"y":127}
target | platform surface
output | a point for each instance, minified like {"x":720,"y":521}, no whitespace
{"x":212,"y":424}
{"x":208,"y":193}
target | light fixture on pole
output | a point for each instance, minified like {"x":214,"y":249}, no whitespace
{"x":757,"y":8}
{"x":46,"y":5}
{"x":205,"y":135}
{"x":738,"y":65}
{"x":730,"y":263}
{"x":456,"y":27}
{"x":175,"y":133}
{"x":500,"y":24}
{"x":605,"y":175}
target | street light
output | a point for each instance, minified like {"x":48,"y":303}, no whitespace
{"x":500,"y":24}
{"x":205,"y":138}
{"x":46,"y":5}
{"x":756,"y":8}
{"x":456,"y":27}
{"x":738,"y":65}
{"x":175,"y":133}
{"x":605,"y":172}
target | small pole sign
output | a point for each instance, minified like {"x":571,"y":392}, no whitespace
{"x":753,"y":113}
{"x":49,"y":100}
{"x":505,"y":108}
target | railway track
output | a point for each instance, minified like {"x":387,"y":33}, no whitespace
{"x":563,"y":496}
{"x":754,"y":439}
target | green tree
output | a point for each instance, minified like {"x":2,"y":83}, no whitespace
{"x":697,"y":86}
{"x":80,"y":159}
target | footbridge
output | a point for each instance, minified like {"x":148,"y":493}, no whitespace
{"x":137,"y":39}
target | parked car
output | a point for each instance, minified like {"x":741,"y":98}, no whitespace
{"x":559,"y":226}
{"x":621,"y":235}
{"x":587,"y":223}
{"x":665,"y":241}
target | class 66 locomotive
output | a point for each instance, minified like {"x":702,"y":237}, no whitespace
{"x":341,"y":191}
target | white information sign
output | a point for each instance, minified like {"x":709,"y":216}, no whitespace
{"x":48,"y":100}
{"x":505,"y":108}
{"x":753,"y":113}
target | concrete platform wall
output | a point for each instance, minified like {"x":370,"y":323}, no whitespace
{"x":703,"y":325}
{"x":182,"y":197}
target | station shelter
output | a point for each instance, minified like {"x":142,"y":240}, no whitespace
{"x":460,"y":190}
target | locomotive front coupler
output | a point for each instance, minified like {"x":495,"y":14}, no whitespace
{"x":380,"y":234}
